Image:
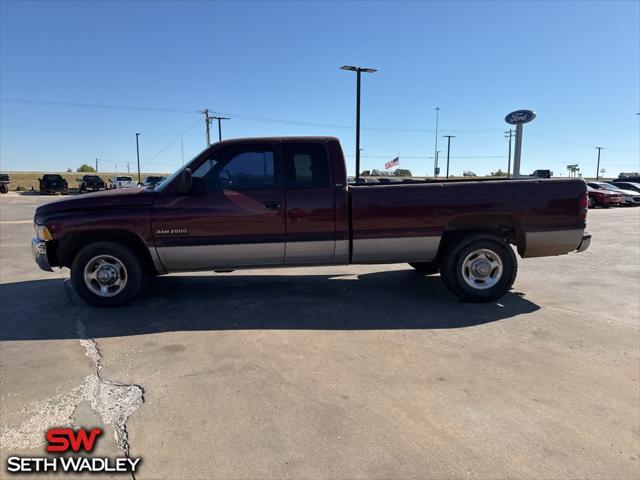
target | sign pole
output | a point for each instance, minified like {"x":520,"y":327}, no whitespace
{"x":518,"y":151}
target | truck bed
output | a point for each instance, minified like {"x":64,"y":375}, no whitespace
{"x":406,"y":222}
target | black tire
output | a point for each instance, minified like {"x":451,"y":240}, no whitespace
{"x":4,"y":188}
{"x":133,"y":273}
{"x":453,"y":274}
{"x":592,"y":203}
{"x":426,"y":268}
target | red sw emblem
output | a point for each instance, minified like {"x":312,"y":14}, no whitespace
{"x":65,"y":439}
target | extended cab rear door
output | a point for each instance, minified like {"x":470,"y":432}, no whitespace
{"x":310,"y":203}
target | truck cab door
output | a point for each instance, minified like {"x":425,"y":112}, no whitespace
{"x":233,"y":217}
{"x":311,"y":211}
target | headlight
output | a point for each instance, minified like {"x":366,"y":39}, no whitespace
{"x":43,"y":233}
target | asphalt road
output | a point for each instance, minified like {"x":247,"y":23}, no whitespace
{"x":342,"y":372}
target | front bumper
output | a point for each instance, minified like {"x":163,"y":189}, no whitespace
{"x":39,"y":250}
{"x":584,"y":244}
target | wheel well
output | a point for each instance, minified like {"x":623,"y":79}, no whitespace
{"x":503,"y":226}
{"x":71,"y":244}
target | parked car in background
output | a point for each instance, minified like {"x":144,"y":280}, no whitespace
{"x":629,"y":177}
{"x":51,"y":183}
{"x":4,"y":183}
{"x":542,"y":174}
{"x":153,"y":180}
{"x":91,"y":183}
{"x":635,"y":186}
{"x":121,"y":181}
{"x":629,"y":196}
{"x":603,"y":198}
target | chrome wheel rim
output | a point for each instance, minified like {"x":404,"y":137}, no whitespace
{"x":105,"y":276}
{"x":482,"y":269}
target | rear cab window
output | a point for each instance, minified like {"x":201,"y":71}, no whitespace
{"x":306,"y":165}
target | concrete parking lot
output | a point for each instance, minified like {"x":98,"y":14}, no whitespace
{"x":341,"y":372}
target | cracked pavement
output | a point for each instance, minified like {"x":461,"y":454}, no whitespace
{"x":360,"y":372}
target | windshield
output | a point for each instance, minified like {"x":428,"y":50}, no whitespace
{"x":124,"y":179}
{"x":52,"y":177}
{"x":611,"y":187}
{"x":92,"y":178}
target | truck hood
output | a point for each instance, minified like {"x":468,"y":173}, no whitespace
{"x":130,"y":197}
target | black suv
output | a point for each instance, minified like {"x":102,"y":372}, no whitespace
{"x":53,"y":183}
{"x":91,"y":182}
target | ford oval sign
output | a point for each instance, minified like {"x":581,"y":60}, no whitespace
{"x":520,"y":116}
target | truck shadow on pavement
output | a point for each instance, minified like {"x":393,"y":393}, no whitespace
{"x":399,"y":299}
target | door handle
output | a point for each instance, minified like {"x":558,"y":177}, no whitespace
{"x":271,"y":204}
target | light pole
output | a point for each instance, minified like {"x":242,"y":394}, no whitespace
{"x":138,"y":156}
{"x":448,"y":137}
{"x":219,"y":127}
{"x":598,"y":167}
{"x":435,"y":163}
{"x":436,"y":169}
{"x":358,"y":71}
{"x":508,"y":135}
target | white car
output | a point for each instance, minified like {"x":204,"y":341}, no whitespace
{"x":629,"y":197}
{"x":122,"y":181}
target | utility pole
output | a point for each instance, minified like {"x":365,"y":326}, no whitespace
{"x":358,"y":71}
{"x":436,"y":169}
{"x":128,"y":169}
{"x":96,"y":164}
{"x":138,"y":157}
{"x":508,"y":135}
{"x":219,"y":127}
{"x":448,"y":137}
{"x":598,"y":167}
{"x":207,"y":124}
{"x":435,"y":150}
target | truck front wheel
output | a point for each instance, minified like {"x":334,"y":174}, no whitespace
{"x":106,"y":274}
{"x":479,"y":268}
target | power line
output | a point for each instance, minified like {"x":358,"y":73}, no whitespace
{"x":230,"y":114}
{"x":24,"y":101}
{"x":153,"y":157}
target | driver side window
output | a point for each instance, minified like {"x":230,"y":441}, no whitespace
{"x":249,"y":167}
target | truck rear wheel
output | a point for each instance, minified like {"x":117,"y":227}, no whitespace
{"x":107,"y":274}
{"x":426,"y":268}
{"x":479,"y":268}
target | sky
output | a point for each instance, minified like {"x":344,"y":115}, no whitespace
{"x":78,"y":79}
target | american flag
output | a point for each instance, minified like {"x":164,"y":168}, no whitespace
{"x":392,"y":163}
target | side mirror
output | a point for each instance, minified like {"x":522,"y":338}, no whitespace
{"x":184,"y":185}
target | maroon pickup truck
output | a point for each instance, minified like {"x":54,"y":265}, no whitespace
{"x":283,"y":202}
